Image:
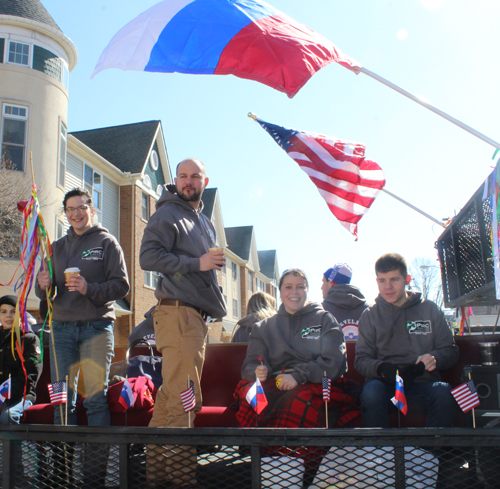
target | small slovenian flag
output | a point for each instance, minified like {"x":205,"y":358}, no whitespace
{"x":188,"y":398}
{"x":4,"y":391}
{"x":466,"y":396}
{"x":127,"y":397}
{"x":399,"y":399}
{"x":256,"y":397}
{"x":58,"y":393}
{"x":327,"y":385}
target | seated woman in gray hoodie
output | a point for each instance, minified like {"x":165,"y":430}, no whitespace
{"x":290,"y":353}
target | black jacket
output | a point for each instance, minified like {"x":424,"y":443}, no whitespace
{"x":13,"y":366}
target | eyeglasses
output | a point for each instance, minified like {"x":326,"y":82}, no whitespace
{"x":71,"y":210}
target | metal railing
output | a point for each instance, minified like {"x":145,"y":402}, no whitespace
{"x":39,"y":456}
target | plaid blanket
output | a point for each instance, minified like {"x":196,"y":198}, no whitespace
{"x":301,"y":407}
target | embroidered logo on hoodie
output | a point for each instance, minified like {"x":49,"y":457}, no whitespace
{"x":419,"y":327}
{"x":311,"y":333}
{"x":93,"y":254}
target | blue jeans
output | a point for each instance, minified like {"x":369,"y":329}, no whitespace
{"x":433,"y":398}
{"x":88,"y":346}
{"x":14,"y":413}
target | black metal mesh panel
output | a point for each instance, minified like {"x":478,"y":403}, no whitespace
{"x":448,"y":268}
{"x":470,"y":258}
{"x":488,"y":252}
{"x":315,"y":459}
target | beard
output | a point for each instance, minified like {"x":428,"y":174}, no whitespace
{"x":193,"y":196}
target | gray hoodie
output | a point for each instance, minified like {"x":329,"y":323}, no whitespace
{"x":306,"y":344}
{"x":346,"y":303}
{"x":174,"y":240}
{"x":245,"y":326}
{"x":399,"y":335}
{"x":100,"y":259}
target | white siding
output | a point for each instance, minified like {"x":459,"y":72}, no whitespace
{"x":111,"y":207}
{"x":74,"y":173}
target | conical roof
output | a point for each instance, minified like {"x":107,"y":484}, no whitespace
{"x":27,"y":9}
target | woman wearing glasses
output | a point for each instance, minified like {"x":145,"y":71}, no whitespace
{"x":83,"y":315}
{"x":290,"y":353}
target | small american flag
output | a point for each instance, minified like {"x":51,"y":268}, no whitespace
{"x":347,"y":180}
{"x":188,"y":398}
{"x":466,"y":396}
{"x":57,"y":392}
{"x":327,"y":385}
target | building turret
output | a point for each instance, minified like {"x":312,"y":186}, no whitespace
{"x":35,"y":61}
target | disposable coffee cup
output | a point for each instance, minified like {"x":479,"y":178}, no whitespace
{"x":71,"y":271}
{"x":216,"y":249}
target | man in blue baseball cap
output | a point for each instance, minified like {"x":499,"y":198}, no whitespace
{"x":343,"y":300}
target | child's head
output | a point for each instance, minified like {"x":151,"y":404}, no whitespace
{"x":7,"y":311}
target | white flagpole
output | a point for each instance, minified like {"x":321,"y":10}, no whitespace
{"x":448,"y":117}
{"x":413,"y":207}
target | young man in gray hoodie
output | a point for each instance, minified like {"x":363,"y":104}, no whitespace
{"x":342,"y":299}
{"x":405,"y":333}
{"x":177,"y":243}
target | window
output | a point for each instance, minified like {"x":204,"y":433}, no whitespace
{"x":261,"y":285}
{"x":235,"y":271}
{"x":14,"y":128}
{"x":250,"y":281}
{"x":159,"y":189}
{"x":62,"y":154}
{"x":19,"y":53}
{"x":147,"y":181}
{"x":65,"y":75}
{"x":59,"y":229}
{"x":223,"y":269}
{"x":145,"y":206}
{"x":151,"y":279}
{"x":93,"y":183}
{"x":153,"y":160}
{"x":235,"y":308}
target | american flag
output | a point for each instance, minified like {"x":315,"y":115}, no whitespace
{"x":347,"y":181}
{"x":188,"y":398}
{"x":57,"y":392}
{"x":466,"y":396}
{"x":327,"y":385}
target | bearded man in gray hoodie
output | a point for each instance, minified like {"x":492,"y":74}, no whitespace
{"x":407,"y":334}
{"x":179,"y":244}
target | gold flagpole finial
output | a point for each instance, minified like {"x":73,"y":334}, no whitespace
{"x":252,"y":116}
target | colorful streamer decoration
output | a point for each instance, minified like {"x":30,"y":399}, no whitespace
{"x":35,"y":243}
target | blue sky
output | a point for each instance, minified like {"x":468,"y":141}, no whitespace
{"x":446,"y":51}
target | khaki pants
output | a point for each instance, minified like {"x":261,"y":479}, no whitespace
{"x":180,"y":337}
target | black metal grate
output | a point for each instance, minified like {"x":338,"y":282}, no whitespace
{"x":250,"y":458}
{"x":466,"y":255}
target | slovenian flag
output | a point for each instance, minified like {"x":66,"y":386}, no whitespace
{"x":127,"y":397}
{"x":246,"y":38}
{"x":4,"y":391}
{"x":256,"y":397}
{"x":399,"y":399}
